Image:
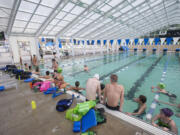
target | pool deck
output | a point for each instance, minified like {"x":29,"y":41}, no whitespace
{"x":17,"y":117}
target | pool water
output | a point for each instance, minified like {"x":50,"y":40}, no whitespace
{"x":137,"y":72}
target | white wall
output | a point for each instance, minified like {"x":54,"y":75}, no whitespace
{"x":15,"y":49}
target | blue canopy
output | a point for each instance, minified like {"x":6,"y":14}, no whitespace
{"x":119,"y":41}
{"x":43,"y":39}
{"x":60,"y":45}
{"x":49,"y":43}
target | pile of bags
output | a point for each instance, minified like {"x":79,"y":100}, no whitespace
{"x":85,"y":116}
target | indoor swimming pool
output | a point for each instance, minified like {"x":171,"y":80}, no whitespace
{"x":137,"y":72}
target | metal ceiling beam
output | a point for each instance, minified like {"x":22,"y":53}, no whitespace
{"x":51,"y":16}
{"x":84,"y":29}
{"x":129,"y":19}
{"x":14,"y":10}
{"x":76,"y":19}
{"x":102,"y":27}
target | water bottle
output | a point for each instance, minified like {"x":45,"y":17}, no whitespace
{"x":33,"y":104}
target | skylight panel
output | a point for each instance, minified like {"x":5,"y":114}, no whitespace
{"x":23,"y":16}
{"x":49,"y":27}
{"x":89,"y":2}
{"x":77,"y":10}
{"x":42,"y":10}
{"x":27,"y":7}
{"x":5,"y":13}
{"x":126,"y":9}
{"x":57,"y":28}
{"x":38,"y":19}
{"x":54,"y":21}
{"x":30,"y":31}
{"x":17,"y":30}
{"x":137,"y":2}
{"x":21,"y":24}
{"x":61,"y":15}
{"x":45,"y":32}
{"x":155,"y":3}
{"x":68,"y":7}
{"x":50,"y":3}
{"x":6,"y":3}
{"x":33,"y":25}
{"x":144,"y":9}
{"x":106,"y":8}
{"x":95,"y":16}
{"x":114,"y":2}
{"x":69,"y":17}
{"x":63,"y":23}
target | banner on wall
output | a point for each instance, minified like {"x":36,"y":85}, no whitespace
{"x":111,"y":42}
{"x":88,"y":42}
{"x":146,"y":40}
{"x":92,"y":42}
{"x":136,"y":41}
{"x":83,"y":42}
{"x":78,"y":42}
{"x":169,"y":40}
{"x":157,"y":41}
{"x":104,"y":42}
{"x":98,"y":42}
{"x":127,"y":41}
{"x":119,"y":41}
{"x":43,"y":39}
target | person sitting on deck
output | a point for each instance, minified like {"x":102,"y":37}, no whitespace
{"x":47,"y":76}
{"x":93,"y":87}
{"x":165,"y":121}
{"x":141,"y":110}
{"x":76,"y":87}
{"x":59,"y":79}
{"x":113,"y":93}
{"x":86,"y":68}
{"x":161,"y":89}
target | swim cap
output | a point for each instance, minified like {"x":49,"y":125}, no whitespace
{"x":161,"y":85}
{"x":96,"y":76}
{"x":167,"y":112}
{"x":59,"y":70}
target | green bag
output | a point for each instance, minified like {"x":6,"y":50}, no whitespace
{"x":83,"y":108}
{"x":70,"y":115}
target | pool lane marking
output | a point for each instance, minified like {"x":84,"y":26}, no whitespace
{"x":121,"y":67}
{"x":65,"y":65}
{"x":156,"y":97}
{"x":138,"y":83}
{"x":127,"y":55}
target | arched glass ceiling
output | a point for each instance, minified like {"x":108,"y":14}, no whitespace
{"x":96,"y":19}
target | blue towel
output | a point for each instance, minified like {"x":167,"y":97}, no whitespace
{"x":77,"y":126}
{"x":2,"y":88}
{"x":89,"y":120}
{"x":29,"y":80}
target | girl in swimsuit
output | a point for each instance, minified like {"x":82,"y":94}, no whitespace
{"x":165,"y":121}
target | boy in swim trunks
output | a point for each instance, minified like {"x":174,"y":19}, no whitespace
{"x":113,"y":93}
{"x":47,"y":76}
{"x":76,"y":87}
{"x":86,"y":68}
{"x":141,"y":110}
{"x":165,"y":121}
